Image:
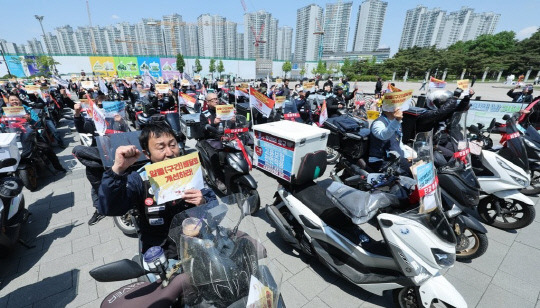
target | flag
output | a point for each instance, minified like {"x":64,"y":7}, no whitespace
{"x":102,"y":86}
{"x":324,"y":114}
{"x":185,"y":99}
{"x":391,"y":88}
{"x":148,"y":79}
{"x":188,"y":78}
{"x":240,"y":92}
{"x":115,"y":88}
{"x":61,"y":82}
{"x":436,"y":83}
{"x":260,"y":102}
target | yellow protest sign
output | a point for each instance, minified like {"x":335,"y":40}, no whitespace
{"x":279,"y":101}
{"x":279,"y":81}
{"x":463,"y":84}
{"x":244,"y":85}
{"x":170,"y":178}
{"x":220,"y":84}
{"x":14,"y":111}
{"x":162,"y":88}
{"x":372,"y":114}
{"x":309,"y":86}
{"x":394,"y":100}
{"x":87,"y":84}
{"x":225,"y":112}
{"x":32,"y":88}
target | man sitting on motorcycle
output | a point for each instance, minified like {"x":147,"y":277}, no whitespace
{"x":338,"y":101}
{"x":525,"y":97}
{"x":119,"y":191}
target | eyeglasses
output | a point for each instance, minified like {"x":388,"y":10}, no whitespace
{"x":213,"y":99}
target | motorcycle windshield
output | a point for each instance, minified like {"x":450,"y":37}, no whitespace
{"x":460,"y":161}
{"x":515,"y":150}
{"x":17,"y":124}
{"x":219,"y":248}
{"x":108,"y":144}
{"x":430,"y":212}
{"x":173,"y":119}
{"x":533,"y":134}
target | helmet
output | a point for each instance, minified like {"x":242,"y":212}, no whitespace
{"x":435,"y":99}
{"x":337,"y":88}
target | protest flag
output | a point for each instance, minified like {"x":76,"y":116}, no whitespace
{"x":436,"y":83}
{"x":324,"y":114}
{"x":260,"y":102}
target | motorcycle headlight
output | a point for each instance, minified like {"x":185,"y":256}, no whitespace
{"x":521,"y":182}
{"x":234,"y":144}
{"x":503,"y":164}
{"x":444,"y":259}
{"x":235,"y":165}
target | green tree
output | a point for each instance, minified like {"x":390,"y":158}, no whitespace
{"x":286,"y":67}
{"x":303,"y":71}
{"x":220,"y":68}
{"x":321,"y":68}
{"x":212,"y":67}
{"x":180,"y":63}
{"x":198,"y":66}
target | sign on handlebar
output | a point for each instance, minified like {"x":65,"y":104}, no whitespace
{"x":236,"y":130}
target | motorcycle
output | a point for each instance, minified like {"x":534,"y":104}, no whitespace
{"x":531,"y":139}
{"x":325,"y":220}
{"x":501,"y":176}
{"x":234,"y":159}
{"x":221,"y":264}
{"x":13,"y":213}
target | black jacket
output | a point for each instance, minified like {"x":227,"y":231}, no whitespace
{"x":527,"y":98}
{"x":333,"y":101}
{"x":427,"y":120}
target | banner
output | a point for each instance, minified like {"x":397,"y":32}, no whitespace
{"x":170,"y":178}
{"x":31,"y":65}
{"x":260,"y":102}
{"x":484,"y":111}
{"x":436,"y":83}
{"x":324,"y":114}
{"x":112,"y":108}
{"x":225,"y":112}
{"x":150,"y":65}
{"x":279,"y":101}
{"x":99,"y":119}
{"x":188,"y":100}
{"x":463,"y":84}
{"x":239,"y":91}
{"x":168,"y":68}
{"x":309,"y":86}
{"x":162,"y":88}
{"x":30,"y":88}
{"x":126,"y":66}
{"x":87,"y":84}
{"x":103,"y":66}
{"x":15,"y":111}
{"x":394,"y":100}
{"x":15,"y":64}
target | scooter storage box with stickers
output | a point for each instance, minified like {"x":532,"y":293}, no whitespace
{"x":8,"y":148}
{"x":280,"y":146}
{"x":191,"y":126}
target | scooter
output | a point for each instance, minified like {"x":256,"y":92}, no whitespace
{"x":13,"y":213}
{"x":325,"y":220}
{"x":234,"y":159}
{"x":501,"y":176}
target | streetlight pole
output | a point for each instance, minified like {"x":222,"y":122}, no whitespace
{"x":40,"y":19}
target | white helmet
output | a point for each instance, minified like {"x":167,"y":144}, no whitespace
{"x":435,"y":99}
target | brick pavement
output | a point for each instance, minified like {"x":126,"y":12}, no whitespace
{"x":55,"y":272}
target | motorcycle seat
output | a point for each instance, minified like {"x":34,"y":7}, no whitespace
{"x":313,"y":196}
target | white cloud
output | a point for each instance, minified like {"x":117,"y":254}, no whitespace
{"x":115,"y":16}
{"x":526,"y":32}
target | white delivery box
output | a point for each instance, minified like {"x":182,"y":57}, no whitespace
{"x":8,"y":148}
{"x":280,"y":146}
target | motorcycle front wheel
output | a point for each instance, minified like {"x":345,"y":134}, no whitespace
{"x":125,"y":224}
{"x":29,"y":178}
{"x":514,"y":214}
{"x":471,"y":244}
{"x":408,"y":297}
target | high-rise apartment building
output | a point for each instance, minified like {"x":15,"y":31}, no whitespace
{"x":66,"y":40}
{"x":230,"y":29}
{"x":284,"y":43}
{"x":191,"y":40}
{"x":260,"y":29}
{"x":424,"y":27}
{"x":83,"y":40}
{"x":336,"y":26}
{"x":150,"y":36}
{"x":211,"y":32}
{"x":309,"y":20}
{"x":51,"y":41}
{"x":240,"y":45}
{"x":8,"y":47}
{"x":127,"y":38}
{"x":369,"y":25}
{"x":173,"y":30}
{"x":35,"y":47}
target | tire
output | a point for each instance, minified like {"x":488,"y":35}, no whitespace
{"x":332,"y":156}
{"x":29,"y":178}
{"x":408,"y":297}
{"x":534,"y":187}
{"x":516,"y":214}
{"x":248,"y":191}
{"x":479,"y":246}
{"x":124,"y":224}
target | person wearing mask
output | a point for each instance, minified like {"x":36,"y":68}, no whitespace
{"x":525,"y":97}
{"x":120,"y":191}
{"x":345,"y":85}
{"x":338,"y":101}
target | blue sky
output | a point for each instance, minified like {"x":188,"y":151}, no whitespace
{"x":18,"y":23}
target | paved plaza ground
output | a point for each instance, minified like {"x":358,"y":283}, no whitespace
{"x":54,"y":273}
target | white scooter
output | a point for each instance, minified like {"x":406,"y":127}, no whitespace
{"x":325,"y":220}
{"x":501,"y":176}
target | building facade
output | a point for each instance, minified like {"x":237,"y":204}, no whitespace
{"x":336,"y":26}
{"x":309,"y":21}
{"x":260,"y":37}
{"x":369,"y":24}
{"x":284,"y":43}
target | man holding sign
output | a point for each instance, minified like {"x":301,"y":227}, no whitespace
{"x":119,"y":192}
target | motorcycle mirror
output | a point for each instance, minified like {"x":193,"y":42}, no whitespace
{"x":473,"y":129}
{"x":506,"y":117}
{"x":117,"y":271}
{"x":8,"y":162}
{"x":492,"y":124}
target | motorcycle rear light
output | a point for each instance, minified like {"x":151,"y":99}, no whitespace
{"x":443,"y":258}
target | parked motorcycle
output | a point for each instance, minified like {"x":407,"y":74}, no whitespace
{"x":221,"y":265}
{"x":325,"y":220}
{"x":13,"y":213}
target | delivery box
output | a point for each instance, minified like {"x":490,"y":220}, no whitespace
{"x":8,"y":148}
{"x":280,"y":146}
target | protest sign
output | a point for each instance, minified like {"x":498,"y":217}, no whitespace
{"x":225,"y":112}
{"x":394,"y":100}
{"x":185,"y":99}
{"x":162,"y":88}
{"x":436,"y":83}
{"x":220,"y":84}
{"x":259,"y":296}
{"x":279,"y":81}
{"x":260,"y":102}
{"x":427,"y":183}
{"x":170,"y":178}
{"x":15,"y":111}
{"x":463,"y":84}
{"x":99,"y":119}
{"x":32,"y":89}
{"x":87,"y":84}
{"x":324,"y":114}
{"x":484,"y":111}
{"x":309,"y":86}
{"x":279,"y":101}
{"x":112,"y":108}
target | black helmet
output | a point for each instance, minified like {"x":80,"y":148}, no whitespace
{"x":337,"y":88}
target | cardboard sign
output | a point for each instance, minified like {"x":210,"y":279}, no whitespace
{"x":87,"y":84}
{"x":99,"y":119}
{"x":279,"y":101}
{"x":260,"y":102}
{"x":112,"y":108}
{"x":220,"y":84}
{"x":170,"y":178}
{"x":436,"y":83}
{"x":427,"y":183}
{"x":162,"y":88}
{"x":244,"y":86}
{"x":260,"y":296}
{"x":279,"y":81}
{"x":463,"y":84}
{"x":14,"y":111}
{"x":309,"y":86}
{"x":33,"y":88}
{"x":394,"y":100}
{"x":225,"y":112}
